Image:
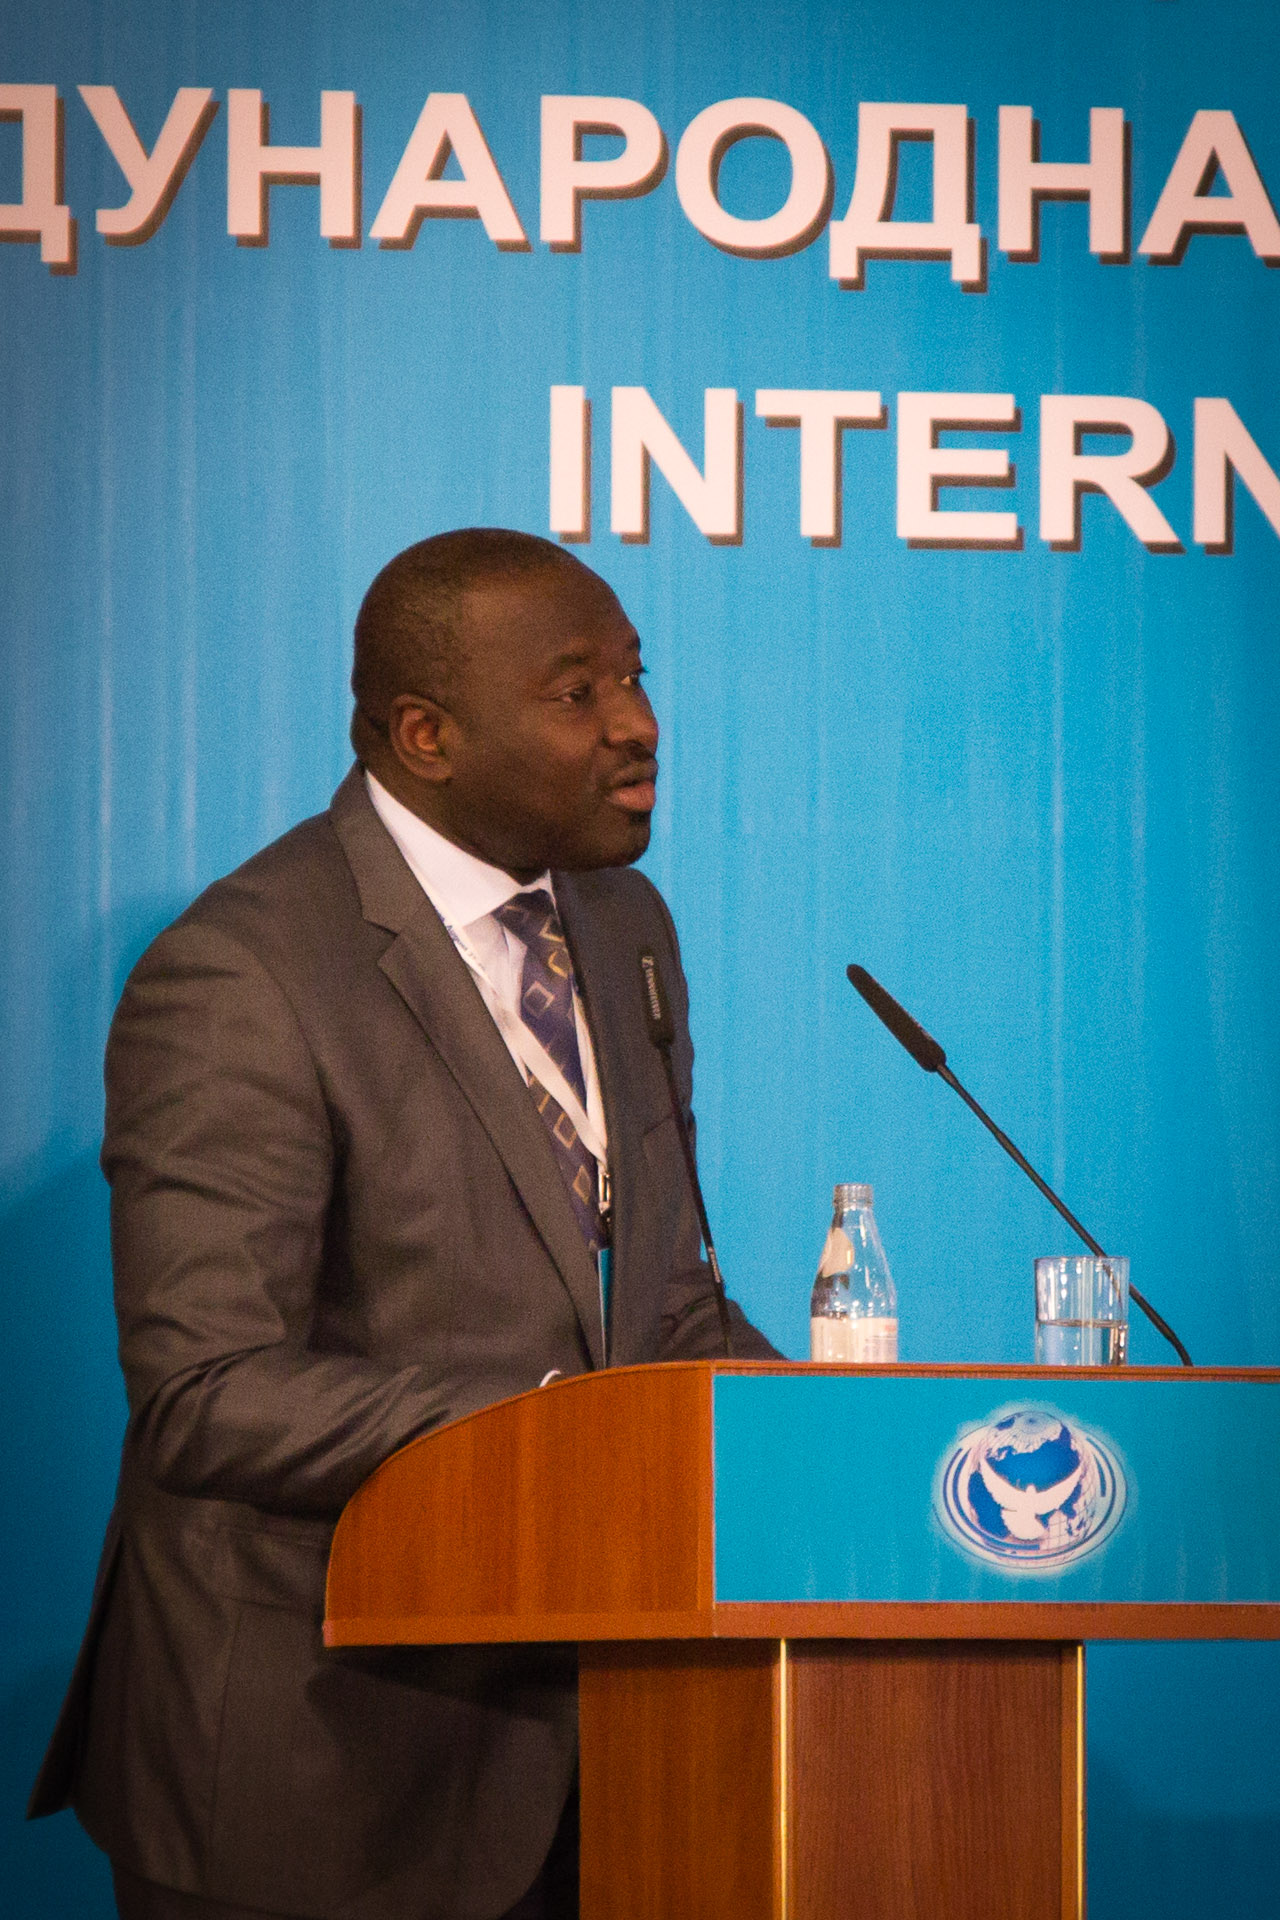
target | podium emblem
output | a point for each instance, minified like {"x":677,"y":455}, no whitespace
{"x":1030,"y":1491}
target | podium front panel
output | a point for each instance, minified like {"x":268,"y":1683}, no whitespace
{"x":763,"y":1501}
{"x":1053,"y":1487}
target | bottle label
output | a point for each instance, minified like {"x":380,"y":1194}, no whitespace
{"x":860,"y":1342}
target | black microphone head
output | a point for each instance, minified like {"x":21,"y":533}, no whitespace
{"x":922,"y":1047}
{"x":657,"y":1013}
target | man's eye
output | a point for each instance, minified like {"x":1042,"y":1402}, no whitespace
{"x":574,"y":696}
{"x":633,"y":678}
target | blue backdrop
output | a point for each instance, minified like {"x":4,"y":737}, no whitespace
{"x":1035,"y":791}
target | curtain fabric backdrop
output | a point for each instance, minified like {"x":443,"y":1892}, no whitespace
{"x":1031,"y":783}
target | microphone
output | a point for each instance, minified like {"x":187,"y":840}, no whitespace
{"x":662,"y":1033}
{"x":922,"y":1046}
{"x":924,"y":1049}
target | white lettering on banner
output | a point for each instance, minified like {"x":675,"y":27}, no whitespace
{"x":819,"y":413}
{"x":924,"y":466}
{"x":153,"y":178}
{"x":1213,"y":154}
{"x":1224,"y":447}
{"x":568,"y":179}
{"x":1026,"y":180}
{"x":570,"y":463}
{"x":1065,"y":472}
{"x":706,"y":141}
{"x":447,"y":126}
{"x":869,"y":228}
{"x":1214,"y":145}
{"x":253,"y":166}
{"x":712,"y":498}
{"x":40,"y":214}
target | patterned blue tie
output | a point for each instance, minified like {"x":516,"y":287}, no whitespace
{"x":546,"y":1007}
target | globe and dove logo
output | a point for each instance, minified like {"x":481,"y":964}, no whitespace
{"x":1030,"y":1491}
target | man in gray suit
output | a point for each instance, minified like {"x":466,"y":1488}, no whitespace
{"x":387,"y":1142}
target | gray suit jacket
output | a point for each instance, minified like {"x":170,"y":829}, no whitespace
{"x":337,"y":1221}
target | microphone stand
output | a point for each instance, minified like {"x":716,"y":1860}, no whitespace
{"x":927,"y":1053}
{"x":662,"y":1033}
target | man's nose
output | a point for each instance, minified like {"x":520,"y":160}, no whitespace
{"x":630,"y":720}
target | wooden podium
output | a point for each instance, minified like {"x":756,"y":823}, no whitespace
{"x":806,"y":1693}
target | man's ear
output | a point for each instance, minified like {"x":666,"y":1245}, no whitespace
{"x":421,"y":735}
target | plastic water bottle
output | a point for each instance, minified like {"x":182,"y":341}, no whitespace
{"x":853,"y":1314}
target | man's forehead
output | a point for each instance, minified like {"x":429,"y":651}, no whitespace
{"x":549,"y":617}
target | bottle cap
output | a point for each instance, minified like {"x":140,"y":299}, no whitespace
{"x":850,"y":1195}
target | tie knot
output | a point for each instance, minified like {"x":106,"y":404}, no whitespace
{"x":532,"y":917}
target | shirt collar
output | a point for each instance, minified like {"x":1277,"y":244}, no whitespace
{"x":461,"y":887}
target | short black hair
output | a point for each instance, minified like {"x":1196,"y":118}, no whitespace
{"x":408,"y":636}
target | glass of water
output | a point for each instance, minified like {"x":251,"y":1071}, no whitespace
{"x":1082,"y":1311}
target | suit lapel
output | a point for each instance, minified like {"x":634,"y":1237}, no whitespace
{"x":610,"y":990}
{"x":426,"y":970}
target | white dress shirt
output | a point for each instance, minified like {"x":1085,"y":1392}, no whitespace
{"x":466,"y":892}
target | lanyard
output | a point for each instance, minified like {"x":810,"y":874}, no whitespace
{"x":538,"y":1063}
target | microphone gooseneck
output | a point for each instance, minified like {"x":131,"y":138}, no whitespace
{"x":925,"y":1050}
{"x":662,"y":1033}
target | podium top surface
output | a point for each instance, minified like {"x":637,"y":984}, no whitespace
{"x":762,"y":1499}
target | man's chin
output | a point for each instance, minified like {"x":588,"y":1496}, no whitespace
{"x":623,"y":846}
